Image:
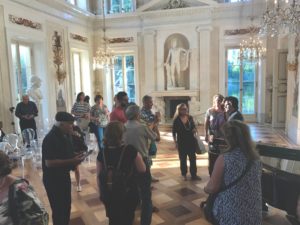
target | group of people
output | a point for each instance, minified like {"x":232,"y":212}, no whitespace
{"x":234,"y":165}
{"x":126,"y":136}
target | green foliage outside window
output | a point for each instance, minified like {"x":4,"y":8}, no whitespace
{"x":241,"y":76}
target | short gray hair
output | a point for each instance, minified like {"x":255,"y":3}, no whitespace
{"x":132,"y":112}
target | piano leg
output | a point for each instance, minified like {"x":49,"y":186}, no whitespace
{"x":264,"y":206}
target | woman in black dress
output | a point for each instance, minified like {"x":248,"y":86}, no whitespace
{"x":183,"y":134}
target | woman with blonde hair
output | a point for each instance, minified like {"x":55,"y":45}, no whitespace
{"x":183,"y":131}
{"x":236,"y":179}
{"x":214,"y":119}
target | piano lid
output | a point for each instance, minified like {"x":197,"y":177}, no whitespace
{"x":280,"y":158}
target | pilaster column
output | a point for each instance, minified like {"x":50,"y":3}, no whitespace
{"x":150,"y":65}
{"x":204,"y":67}
{"x":5,"y":85}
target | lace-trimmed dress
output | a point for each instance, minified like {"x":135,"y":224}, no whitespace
{"x":240,"y":204}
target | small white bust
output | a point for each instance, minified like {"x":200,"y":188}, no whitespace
{"x":34,"y":92}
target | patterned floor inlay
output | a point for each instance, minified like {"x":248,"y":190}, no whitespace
{"x":178,"y":200}
{"x":178,"y":211}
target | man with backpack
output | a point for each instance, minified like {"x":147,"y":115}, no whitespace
{"x":138,"y":134}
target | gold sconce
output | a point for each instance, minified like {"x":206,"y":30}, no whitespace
{"x":58,"y":57}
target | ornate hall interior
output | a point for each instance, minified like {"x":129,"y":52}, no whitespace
{"x":177,"y":51}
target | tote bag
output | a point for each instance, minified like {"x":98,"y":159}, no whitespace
{"x":200,"y":147}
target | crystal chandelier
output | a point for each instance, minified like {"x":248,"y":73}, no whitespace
{"x":252,"y":49}
{"x":281,"y":15}
{"x":104,"y":57}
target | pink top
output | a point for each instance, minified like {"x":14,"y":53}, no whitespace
{"x":118,"y":114}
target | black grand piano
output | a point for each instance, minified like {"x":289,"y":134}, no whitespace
{"x":281,"y":179}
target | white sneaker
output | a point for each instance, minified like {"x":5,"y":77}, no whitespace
{"x":79,"y":188}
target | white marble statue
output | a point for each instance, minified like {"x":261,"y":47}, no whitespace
{"x":34,"y":92}
{"x":35,"y":95}
{"x":176,"y":62}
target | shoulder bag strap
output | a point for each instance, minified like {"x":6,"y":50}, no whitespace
{"x":121,"y":157}
{"x":119,"y":162}
{"x":104,"y":160}
{"x":238,"y":179}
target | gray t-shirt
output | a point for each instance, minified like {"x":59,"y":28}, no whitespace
{"x":137,"y":134}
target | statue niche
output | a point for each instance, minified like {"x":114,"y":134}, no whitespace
{"x":176,"y":62}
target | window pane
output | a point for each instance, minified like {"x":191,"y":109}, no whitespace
{"x":115,"y":6}
{"x":233,"y":73}
{"x":15,"y":68}
{"x":118,"y":75}
{"x":71,"y":2}
{"x":248,"y":101}
{"x":77,"y":73}
{"x":25,"y":62}
{"x":81,"y":4}
{"x":130,"y":86}
{"x":127,"y":6}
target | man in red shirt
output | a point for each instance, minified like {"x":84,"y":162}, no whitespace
{"x":118,"y":113}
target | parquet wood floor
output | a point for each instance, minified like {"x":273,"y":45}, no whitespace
{"x":177,"y":200}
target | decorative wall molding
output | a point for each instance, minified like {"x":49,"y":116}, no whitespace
{"x":78,"y":37}
{"x":120,"y":40}
{"x":292,"y":66}
{"x":149,"y":32}
{"x":25,"y":22}
{"x":240,"y":31}
{"x":175,"y":4}
{"x":58,"y":56}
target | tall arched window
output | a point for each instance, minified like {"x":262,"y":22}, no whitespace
{"x":119,"y":6}
{"x":82,"y":4}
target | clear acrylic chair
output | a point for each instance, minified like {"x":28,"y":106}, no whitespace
{"x":28,"y":136}
{"x":12,"y":139}
{"x":5,"y":147}
{"x":15,"y":153}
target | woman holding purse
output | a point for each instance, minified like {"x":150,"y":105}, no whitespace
{"x":183,"y":134}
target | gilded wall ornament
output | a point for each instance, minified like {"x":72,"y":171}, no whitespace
{"x":240,"y":31}
{"x":25,"y":22}
{"x":78,"y":37}
{"x":175,"y":4}
{"x":120,"y":40}
{"x":292,"y":66}
{"x":58,"y":57}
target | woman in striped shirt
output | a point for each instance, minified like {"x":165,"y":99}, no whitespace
{"x":81,"y":111}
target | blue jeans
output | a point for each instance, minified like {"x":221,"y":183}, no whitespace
{"x":100,"y":137}
{"x":144,"y":183}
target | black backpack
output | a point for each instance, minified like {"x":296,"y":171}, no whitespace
{"x":114,"y":183}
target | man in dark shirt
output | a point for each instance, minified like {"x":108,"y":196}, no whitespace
{"x":58,"y":158}
{"x":231,"y":105}
{"x":26,"y":111}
